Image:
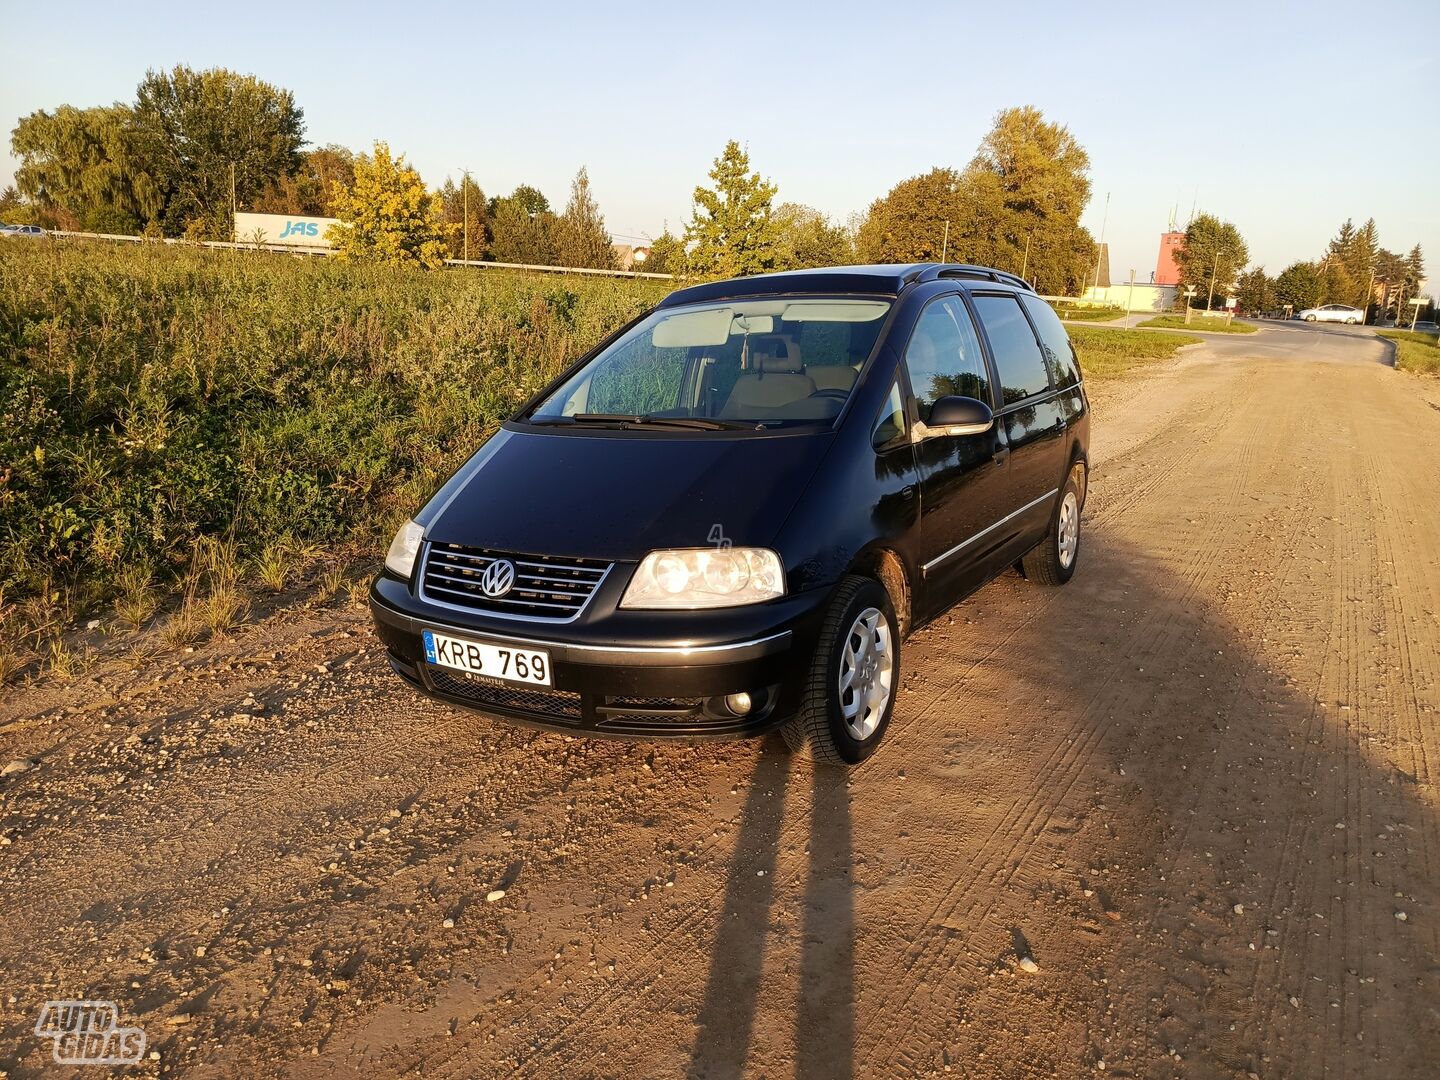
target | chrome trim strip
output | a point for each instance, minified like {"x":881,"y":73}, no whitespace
{"x":435,"y":586}
{"x":444,"y":551}
{"x":423,"y":561}
{"x":925,"y":569}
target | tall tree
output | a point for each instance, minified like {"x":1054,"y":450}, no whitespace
{"x":1298,"y":286}
{"x":83,"y":165}
{"x":1255,"y":291}
{"x":198,"y":130}
{"x":1016,"y":206}
{"x":1213,"y":252}
{"x":580,"y":236}
{"x":1415,"y":263}
{"x":908,"y":223}
{"x":804,"y":237}
{"x":667,"y":254}
{"x":730,"y":231}
{"x":522,"y":228}
{"x":308,"y":189}
{"x":388,"y":214}
{"x":463,"y":209}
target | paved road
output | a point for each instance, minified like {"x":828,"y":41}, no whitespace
{"x":1193,"y":787}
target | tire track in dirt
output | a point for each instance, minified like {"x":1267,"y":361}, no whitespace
{"x":973,"y":899}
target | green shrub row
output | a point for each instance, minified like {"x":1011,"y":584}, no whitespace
{"x":154,"y":396}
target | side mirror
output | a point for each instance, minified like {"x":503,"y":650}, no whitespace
{"x":956,"y":416}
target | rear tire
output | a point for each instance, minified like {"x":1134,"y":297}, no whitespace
{"x":850,"y":691}
{"x":1052,"y":561}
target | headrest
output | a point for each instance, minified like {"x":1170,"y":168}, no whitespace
{"x":776,"y":352}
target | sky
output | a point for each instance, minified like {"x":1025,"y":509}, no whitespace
{"x":1283,"y":119}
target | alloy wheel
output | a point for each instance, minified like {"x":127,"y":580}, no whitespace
{"x":867,"y":667}
{"x":1068,"y":532}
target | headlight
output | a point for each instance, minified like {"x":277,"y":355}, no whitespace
{"x":705,"y":578}
{"x":400,"y":559}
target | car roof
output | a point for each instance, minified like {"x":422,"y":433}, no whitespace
{"x":887,"y":279}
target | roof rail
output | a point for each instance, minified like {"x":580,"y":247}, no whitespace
{"x":982,"y":273}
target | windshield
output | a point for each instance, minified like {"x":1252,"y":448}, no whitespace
{"x":739,"y":364}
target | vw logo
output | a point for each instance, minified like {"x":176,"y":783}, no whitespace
{"x":498,"y":578}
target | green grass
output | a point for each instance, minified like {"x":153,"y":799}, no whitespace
{"x":1106,"y":353}
{"x":1416,"y":353}
{"x":1200,"y":322}
{"x":1087,"y":314}
{"x":152,"y":398}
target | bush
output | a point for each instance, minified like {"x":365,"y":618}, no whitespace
{"x":152,"y":398}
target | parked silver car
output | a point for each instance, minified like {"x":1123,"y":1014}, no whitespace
{"x":23,"y":230}
{"x":1341,"y":313}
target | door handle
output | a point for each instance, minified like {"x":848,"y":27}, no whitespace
{"x":908,"y":491}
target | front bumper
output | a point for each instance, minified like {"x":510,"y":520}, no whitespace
{"x":662,"y":680}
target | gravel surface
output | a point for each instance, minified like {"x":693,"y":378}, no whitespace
{"x":1175,"y":819}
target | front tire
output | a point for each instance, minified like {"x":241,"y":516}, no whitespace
{"x":850,"y":691}
{"x":1309,"y":318}
{"x":1052,"y":561}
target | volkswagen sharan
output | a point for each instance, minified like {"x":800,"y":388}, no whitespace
{"x":728,"y":516}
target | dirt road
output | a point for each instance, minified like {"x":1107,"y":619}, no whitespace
{"x":1193,"y":787}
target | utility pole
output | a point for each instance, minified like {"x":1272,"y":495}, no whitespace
{"x":1369,"y":296}
{"x":1100,"y":247}
{"x":465,"y":212}
{"x":945,"y":244}
{"x":1213,"y":270}
{"x":1130,"y":299}
{"x":1025,"y":263}
{"x":234,"y":236}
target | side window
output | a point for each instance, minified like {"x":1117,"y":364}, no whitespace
{"x":890,"y":424}
{"x":944,"y":357}
{"x":1019,"y":363}
{"x":1059,"y":353}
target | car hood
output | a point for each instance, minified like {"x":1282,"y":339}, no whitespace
{"x":600,"y":496}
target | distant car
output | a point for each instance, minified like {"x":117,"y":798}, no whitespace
{"x":22,"y":230}
{"x":1340,"y":313}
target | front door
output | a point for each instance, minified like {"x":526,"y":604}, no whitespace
{"x":962,"y":477}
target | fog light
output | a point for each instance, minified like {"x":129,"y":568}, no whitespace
{"x":739,"y":704}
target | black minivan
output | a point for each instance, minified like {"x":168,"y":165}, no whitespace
{"x":726,"y":517}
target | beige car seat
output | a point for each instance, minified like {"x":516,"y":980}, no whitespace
{"x":778,"y":378}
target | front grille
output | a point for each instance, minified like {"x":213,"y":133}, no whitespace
{"x":556,"y":704}
{"x":545,"y":587}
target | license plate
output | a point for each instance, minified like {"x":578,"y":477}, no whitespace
{"x":508,"y":663}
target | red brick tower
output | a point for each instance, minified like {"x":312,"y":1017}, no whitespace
{"x":1167,"y":271}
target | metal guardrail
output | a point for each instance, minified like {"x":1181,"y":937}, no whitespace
{"x":295,"y":249}
{"x":558,"y":269}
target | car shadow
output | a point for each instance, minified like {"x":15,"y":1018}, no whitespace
{"x":1225,"y":786}
{"x":825,"y":1022}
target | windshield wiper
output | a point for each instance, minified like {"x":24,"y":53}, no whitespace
{"x":698,"y":423}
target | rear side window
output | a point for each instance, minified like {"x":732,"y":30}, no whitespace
{"x":1059,"y":353}
{"x":944,"y":357}
{"x":1018,"y":360}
